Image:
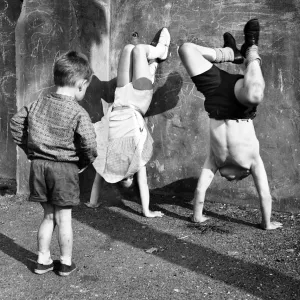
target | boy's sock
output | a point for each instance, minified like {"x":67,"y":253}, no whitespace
{"x":224,"y":54}
{"x":44,"y":258}
{"x":252,"y":54}
{"x":66,"y":260}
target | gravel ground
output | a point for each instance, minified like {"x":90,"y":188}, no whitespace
{"x":122,"y":255}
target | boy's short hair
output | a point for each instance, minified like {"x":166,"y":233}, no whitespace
{"x":70,"y":67}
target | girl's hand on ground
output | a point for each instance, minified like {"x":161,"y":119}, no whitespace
{"x":272,"y":226}
{"x":90,"y":205}
{"x":153,"y":214}
{"x":198,"y":220}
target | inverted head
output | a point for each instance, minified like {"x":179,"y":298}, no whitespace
{"x":234,"y":172}
{"x":126,"y":182}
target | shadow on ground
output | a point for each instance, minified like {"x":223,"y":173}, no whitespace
{"x":256,"y":279}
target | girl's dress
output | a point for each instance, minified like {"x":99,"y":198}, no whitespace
{"x":124,"y":143}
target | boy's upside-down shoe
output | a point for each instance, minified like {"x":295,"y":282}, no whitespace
{"x":251,"y":32}
{"x":229,"y":41}
{"x":42,"y":269}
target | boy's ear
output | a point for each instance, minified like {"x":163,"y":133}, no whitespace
{"x":82,"y":83}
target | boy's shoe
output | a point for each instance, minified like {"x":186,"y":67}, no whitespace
{"x":162,"y":37}
{"x":42,"y":269}
{"x":65,"y":270}
{"x":251,"y":32}
{"x":229,"y":41}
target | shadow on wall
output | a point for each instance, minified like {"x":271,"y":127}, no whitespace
{"x":166,"y":97}
{"x":96,"y":91}
{"x":92,"y":29}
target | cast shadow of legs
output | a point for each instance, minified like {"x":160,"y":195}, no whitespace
{"x":9,"y":247}
{"x":96,"y":91}
{"x":203,"y":260}
{"x":181,"y":193}
{"x":166,"y":97}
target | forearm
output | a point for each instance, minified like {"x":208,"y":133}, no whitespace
{"x":145,"y":197}
{"x":266,"y":210}
{"x":87,"y":156}
{"x":198,"y":203}
{"x":18,"y":128}
{"x":86,"y":139}
{"x":261,"y":181}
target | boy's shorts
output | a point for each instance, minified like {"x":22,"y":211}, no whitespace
{"x":54,"y":182}
{"x":217,"y":86}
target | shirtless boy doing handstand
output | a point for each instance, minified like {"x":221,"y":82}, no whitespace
{"x":231,"y":101}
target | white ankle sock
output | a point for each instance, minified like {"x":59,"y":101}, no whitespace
{"x":66,"y":260}
{"x":252,"y":54}
{"x":152,"y":69}
{"x":156,"y":52}
{"x":224,"y":54}
{"x":44,"y":258}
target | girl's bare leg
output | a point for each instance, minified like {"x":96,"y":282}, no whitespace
{"x":124,"y":75}
{"x":145,"y":195}
{"x":142,"y":76}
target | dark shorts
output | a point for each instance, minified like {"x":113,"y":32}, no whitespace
{"x":54,"y":182}
{"x":217,"y":86}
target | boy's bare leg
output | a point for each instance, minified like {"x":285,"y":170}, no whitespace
{"x":63,"y":218}
{"x":205,"y":179}
{"x":45,"y":235}
{"x":145,"y":195}
{"x":261,"y":181}
{"x":95,"y":193}
{"x":196,"y":59}
{"x":250,"y":90}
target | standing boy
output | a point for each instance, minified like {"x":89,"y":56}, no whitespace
{"x":57,"y":135}
{"x":231,"y":101}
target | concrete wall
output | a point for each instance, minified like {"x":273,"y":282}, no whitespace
{"x":46,"y":29}
{"x":176,"y":117}
{"x":9,"y":13}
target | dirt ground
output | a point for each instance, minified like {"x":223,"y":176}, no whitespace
{"x":122,"y":255}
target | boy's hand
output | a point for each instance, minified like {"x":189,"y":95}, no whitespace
{"x":273,"y":225}
{"x":81,"y":170}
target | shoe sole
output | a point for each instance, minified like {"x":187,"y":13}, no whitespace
{"x":41,"y":272}
{"x":66,"y":273}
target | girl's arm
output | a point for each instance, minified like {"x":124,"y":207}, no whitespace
{"x":145,"y":195}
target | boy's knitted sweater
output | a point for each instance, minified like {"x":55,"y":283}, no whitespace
{"x":55,"y":127}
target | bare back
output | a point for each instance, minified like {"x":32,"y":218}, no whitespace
{"x":233,"y":142}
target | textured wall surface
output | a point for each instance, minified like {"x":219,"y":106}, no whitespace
{"x":9,"y":13}
{"x":177,"y":118}
{"x":45,"y":30}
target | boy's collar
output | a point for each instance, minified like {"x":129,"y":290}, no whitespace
{"x":63,"y":97}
